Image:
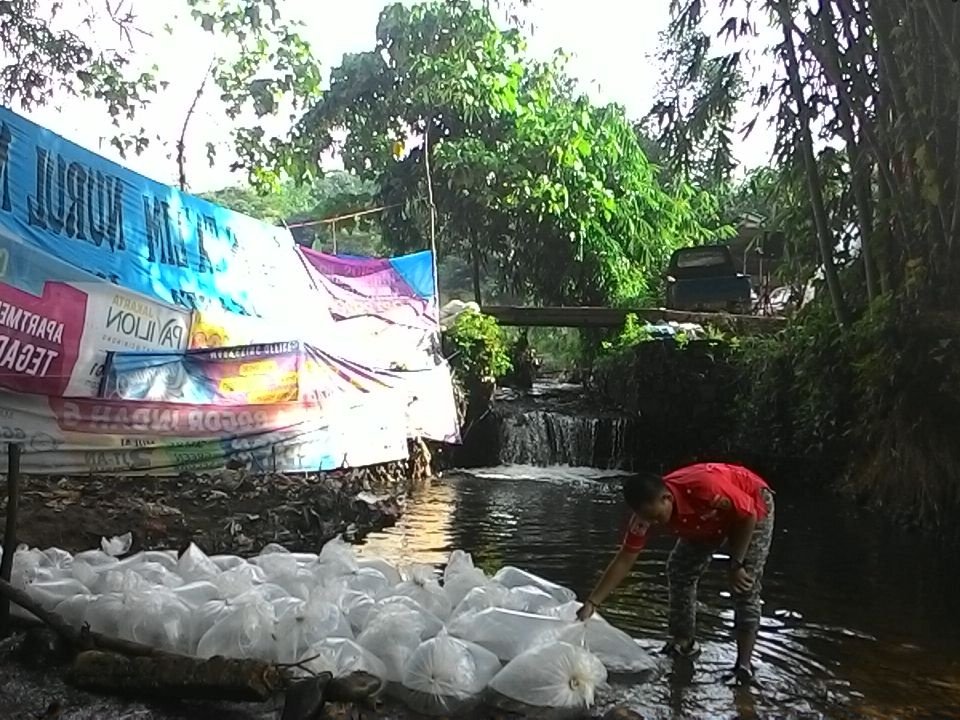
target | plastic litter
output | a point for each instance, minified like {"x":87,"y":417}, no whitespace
{"x":445,"y":674}
{"x":303,"y":625}
{"x":117,"y":545}
{"x":511,"y":577}
{"x":410,"y":612}
{"x":195,"y":565}
{"x":439,"y":644}
{"x":507,"y":633}
{"x":557,"y":675}
{"x":422,"y":587}
{"x":241,"y":631}
{"x":392,"y":639}
{"x":614,"y":648}
{"x":460,"y":577}
{"x":340,"y":657}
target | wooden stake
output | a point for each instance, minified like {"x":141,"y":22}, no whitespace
{"x":10,"y":530}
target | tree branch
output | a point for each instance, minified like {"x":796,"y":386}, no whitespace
{"x":182,"y":142}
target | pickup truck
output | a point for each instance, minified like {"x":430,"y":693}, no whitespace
{"x":705,"y":278}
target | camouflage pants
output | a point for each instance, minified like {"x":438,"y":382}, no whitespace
{"x":689,"y":560}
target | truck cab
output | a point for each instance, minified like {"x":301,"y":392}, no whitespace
{"x":705,"y":279}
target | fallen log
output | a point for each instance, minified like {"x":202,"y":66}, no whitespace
{"x":166,"y":675}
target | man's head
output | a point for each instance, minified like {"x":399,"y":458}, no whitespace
{"x":648,"y":497}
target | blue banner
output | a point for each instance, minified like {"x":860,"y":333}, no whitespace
{"x":139,"y":234}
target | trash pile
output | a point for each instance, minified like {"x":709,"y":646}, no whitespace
{"x":438,"y":642}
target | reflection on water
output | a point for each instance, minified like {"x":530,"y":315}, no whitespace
{"x":859,"y":620}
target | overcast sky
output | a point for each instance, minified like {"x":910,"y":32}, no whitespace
{"x":612,"y":43}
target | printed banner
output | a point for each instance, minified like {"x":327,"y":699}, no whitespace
{"x":84,"y":435}
{"x":215,"y":328}
{"x":57,"y":324}
{"x":251,"y":375}
{"x":131,"y":231}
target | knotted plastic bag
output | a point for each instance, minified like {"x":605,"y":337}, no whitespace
{"x":243,"y":631}
{"x":556,"y":675}
{"x":340,"y":657}
{"x":392,"y":639}
{"x":303,"y":625}
{"x":446,"y":675}
{"x":511,"y":577}
{"x":389,"y":571}
{"x":506,"y":633}
{"x":614,"y":648}
{"x":422,"y":587}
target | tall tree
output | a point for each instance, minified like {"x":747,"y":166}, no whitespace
{"x":528,"y":177}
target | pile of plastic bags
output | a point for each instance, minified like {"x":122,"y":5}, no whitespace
{"x":438,"y":642}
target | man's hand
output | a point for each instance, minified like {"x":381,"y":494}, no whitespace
{"x":740,"y":580}
{"x":586,"y":611}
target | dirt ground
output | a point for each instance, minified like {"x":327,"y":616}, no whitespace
{"x":225,"y":512}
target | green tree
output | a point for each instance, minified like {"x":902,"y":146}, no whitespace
{"x":265,"y":68}
{"x":518,"y":172}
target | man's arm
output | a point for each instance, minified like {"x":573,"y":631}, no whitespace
{"x":616,"y":571}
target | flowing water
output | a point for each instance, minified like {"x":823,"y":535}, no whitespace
{"x":860,"y":621}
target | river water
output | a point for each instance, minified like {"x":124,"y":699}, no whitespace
{"x":860,"y":620}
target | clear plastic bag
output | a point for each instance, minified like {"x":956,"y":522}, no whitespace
{"x":157,"y":574}
{"x":410,"y":611}
{"x":614,"y":648}
{"x":422,"y":587}
{"x":243,"y":631}
{"x":445,"y":675}
{"x":336,"y":558}
{"x":506,"y":633}
{"x":368,"y":580}
{"x":392,"y":639}
{"x":227,"y":562}
{"x":301,"y":626}
{"x":238,"y":580}
{"x":482,"y":597}
{"x":557,"y":675}
{"x":57,"y":559}
{"x":511,"y":577}
{"x":95,"y":558}
{"x":195,"y":595}
{"x":51,"y":593}
{"x":105,"y":613}
{"x":195,"y":565}
{"x":340,"y":657}
{"x":158,"y":619}
{"x":117,"y":545}
{"x":460,"y":577}
{"x":389,"y":571}
{"x":75,"y":608}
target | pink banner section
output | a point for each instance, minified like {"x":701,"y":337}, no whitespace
{"x":374,"y":287}
{"x":40,"y":337}
{"x":166,"y":419}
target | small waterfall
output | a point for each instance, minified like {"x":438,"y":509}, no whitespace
{"x":537,"y":436}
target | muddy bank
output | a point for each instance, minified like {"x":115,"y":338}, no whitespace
{"x":226,"y":512}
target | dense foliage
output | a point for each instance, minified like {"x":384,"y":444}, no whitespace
{"x":462,"y":131}
{"x":477,"y":349}
{"x":866,"y":97}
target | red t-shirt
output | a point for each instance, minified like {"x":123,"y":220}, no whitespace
{"x":707,"y":498}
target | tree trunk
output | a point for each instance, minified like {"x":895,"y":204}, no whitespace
{"x":475,"y":260}
{"x":165,"y":676}
{"x":824,"y":237}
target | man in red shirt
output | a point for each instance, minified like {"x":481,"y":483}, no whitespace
{"x":706,"y":506}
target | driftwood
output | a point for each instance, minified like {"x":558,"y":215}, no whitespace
{"x":111,"y":665}
{"x":168,"y":675}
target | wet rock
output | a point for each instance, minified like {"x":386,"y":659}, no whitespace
{"x":355,"y":687}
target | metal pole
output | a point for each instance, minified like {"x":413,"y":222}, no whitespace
{"x":10,"y":529}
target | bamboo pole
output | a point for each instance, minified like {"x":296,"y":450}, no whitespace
{"x":10,"y":530}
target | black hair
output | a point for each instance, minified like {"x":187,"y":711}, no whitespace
{"x":642,"y":489}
